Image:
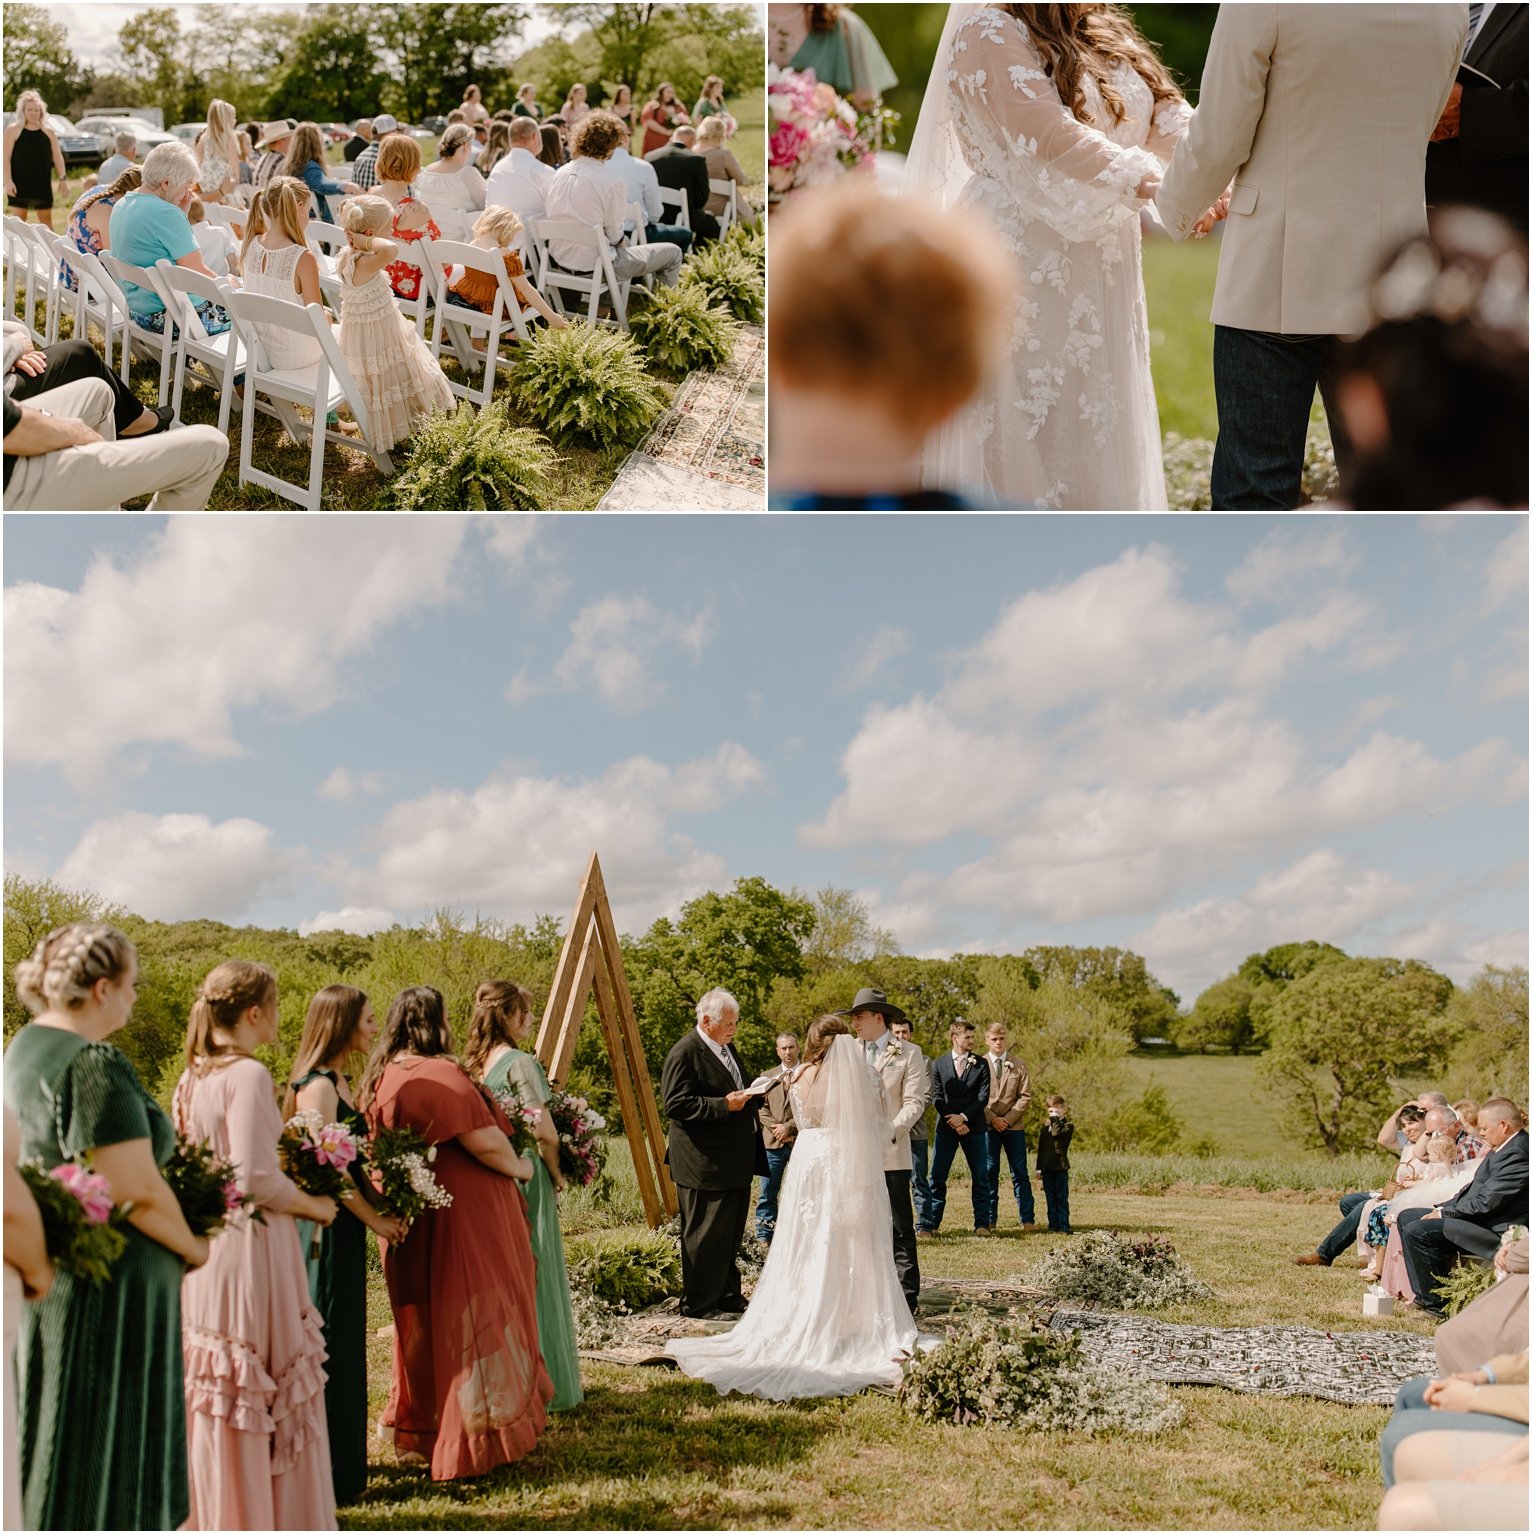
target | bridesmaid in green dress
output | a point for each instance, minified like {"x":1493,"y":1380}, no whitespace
{"x":339,"y":1025}
{"x":502,"y":1022}
{"x":98,"y":1370}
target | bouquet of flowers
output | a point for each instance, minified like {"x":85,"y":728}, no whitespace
{"x":206,"y":1188}
{"x":400,"y":1162}
{"x":81,"y":1223}
{"x":315,"y":1155}
{"x":523,"y":1117}
{"x":580,"y":1152}
{"x":816,"y":136}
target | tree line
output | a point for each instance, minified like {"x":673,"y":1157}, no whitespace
{"x":339,"y":62}
{"x":1343,"y":1038}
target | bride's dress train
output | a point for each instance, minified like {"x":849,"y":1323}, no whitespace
{"x":828,"y":1317}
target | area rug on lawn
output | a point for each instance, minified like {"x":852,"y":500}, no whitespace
{"x":708,"y":451}
{"x":1359,"y":1368}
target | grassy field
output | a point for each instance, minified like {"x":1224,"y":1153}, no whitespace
{"x":651,"y":1450}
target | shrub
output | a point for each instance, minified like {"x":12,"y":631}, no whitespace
{"x":1464,"y":1284}
{"x":597,"y":1324}
{"x":630,"y":1272}
{"x":1113,"y":1270}
{"x":586,"y":384}
{"x":1149,"y":1126}
{"x":730,"y":279}
{"x":682,"y":329}
{"x":1015,"y":1374}
{"x":475,"y":460}
{"x":750,"y":243}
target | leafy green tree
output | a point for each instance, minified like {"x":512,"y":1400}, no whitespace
{"x":332,"y":69}
{"x":1117,"y":975}
{"x":155,"y":53}
{"x":33,"y":909}
{"x":1271,"y":972}
{"x":432,"y":51}
{"x":38,"y":57}
{"x":1220,"y":1019}
{"x":1180,"y":35}
{"x":844,"y":931}
{"x":1345,"y":1034}
{"x":1491,"y":1015}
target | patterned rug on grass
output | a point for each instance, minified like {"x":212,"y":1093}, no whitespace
{"x":1358,"y":1368}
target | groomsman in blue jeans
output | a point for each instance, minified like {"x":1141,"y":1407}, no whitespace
{"x":920,"y":1148}
{"x":1010,"y":1090}
{"x":959,"y":1093}
{"x":779,"y":1131}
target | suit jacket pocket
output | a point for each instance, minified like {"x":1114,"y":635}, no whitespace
{"x":1243,"y":198}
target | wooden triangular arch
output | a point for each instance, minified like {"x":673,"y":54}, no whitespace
{"x":592,"y":960}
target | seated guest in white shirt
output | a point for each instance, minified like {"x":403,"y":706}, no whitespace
{"x":218,"y":246}
{"x":643,"y":184}
{"x":126,"y":155}
{"x":589,"y":191}
{"x":520,"y":180}
{"x":450,"y":187}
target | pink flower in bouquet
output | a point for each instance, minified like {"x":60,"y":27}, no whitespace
{"x":233,"y":1199}
{"x":93,"y":1193}
{"x":824,"y":99}
{"x":336,"y":1146}
{"x":788,"y":143}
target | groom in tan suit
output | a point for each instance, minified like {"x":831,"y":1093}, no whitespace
{"x":1320,"y":116}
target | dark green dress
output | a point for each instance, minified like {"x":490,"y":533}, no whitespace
{"x":98,"y":1371}
{"x":338,"y":1286}
{"x":555,"y":1311}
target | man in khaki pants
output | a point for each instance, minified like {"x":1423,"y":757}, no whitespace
{"x":60,"y":455}
{"x":1320,"y":116}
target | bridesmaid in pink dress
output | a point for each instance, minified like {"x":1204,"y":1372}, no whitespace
{"x":257,"y":1445}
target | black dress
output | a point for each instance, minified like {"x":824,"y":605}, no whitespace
{"x":32,"y":170}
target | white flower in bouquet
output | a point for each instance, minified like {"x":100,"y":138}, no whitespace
{"x":423,"y":1180}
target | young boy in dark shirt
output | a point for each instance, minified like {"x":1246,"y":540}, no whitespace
{"x":1053,"y":1163}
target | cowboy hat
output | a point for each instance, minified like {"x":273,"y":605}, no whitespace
{"x":870,"y":1000}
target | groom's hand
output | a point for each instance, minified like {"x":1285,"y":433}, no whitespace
{"x":1450,"y":124}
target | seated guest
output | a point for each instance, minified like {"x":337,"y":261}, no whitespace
{"x":497,"y":144}
{"x":276,"y":140}
{"x":114,"y":165}
{"x":218,"y":246}
{"x":590,"y":192}
{"x":246,"y":162}
{"x":1495,"y":1322}
{"x":398,"y":165}
{"x":856,"y":390}
{"x":450,"y":187}
{"x":520,"y":180}
{"x":150,"y":225}
{"x":90,"y":218}
{"x":480,"y":144}
{"x":30,"y":371}
{"x":712,"y":145}
{"x":365,"y":171}
{"x":1467,"y":1110}
{"x":1472,"y":1222}
{"x":1400,"y":1131}
{"x":60,"y":456}
{"x":306,"y":163}
{"x":1456,"y":1480}
{"x":1489,"y":1399}
{"x":682,"y":169}
{"x":644,"y":191}
{"x":1391,"y":1137}
{"x":552,"y":153}
{"x":499,"y":229}
{"x":1442,"y":1176}
{"x":361,"y":137}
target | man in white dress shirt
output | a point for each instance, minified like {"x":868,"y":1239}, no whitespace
{"x":589,"y":191}
{"x":643,"y":184}
{"x":520,"y":181}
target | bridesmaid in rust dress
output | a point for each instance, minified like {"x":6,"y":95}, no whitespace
{"x":464,"y":1399}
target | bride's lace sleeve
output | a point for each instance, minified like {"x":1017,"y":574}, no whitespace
{"x":1062,"y":171}
{"x":1171,"y":120}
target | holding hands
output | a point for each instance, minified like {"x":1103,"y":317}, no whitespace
{"x":1214,"y":215}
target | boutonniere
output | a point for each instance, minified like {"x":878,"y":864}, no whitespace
{"x":892,"y":1051}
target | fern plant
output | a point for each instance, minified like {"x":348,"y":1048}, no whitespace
{"x":475,"y":460}
{"x":750,"y":243}
{"x":730,"y":279}
{"x":682,"y":329}
{"x":586,"y":385}
{"x":1464,"y":1284}
{"x":626,"y":1272}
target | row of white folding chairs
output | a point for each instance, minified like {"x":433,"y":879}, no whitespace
{"x":28,"y":259}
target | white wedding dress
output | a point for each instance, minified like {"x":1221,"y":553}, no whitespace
{"x":1070,"y":421}
{"x":828,"y":1317}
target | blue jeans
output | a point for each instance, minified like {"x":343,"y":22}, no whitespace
{"x":669,"y":234}
{"x":1344,"y":1234}
{"x":1056,"y":1191}
{"x":920,"y":1155}
{"x":771,"y":1188}
{"x":1264,"y":385}
{"x":1014,"y":1143}
{"x":1412,"y":1415}
{"x":976,"y":1155}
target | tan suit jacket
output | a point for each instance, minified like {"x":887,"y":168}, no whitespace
{"x":1324,"y":111}
{"x":1010,"y":1090}
{"x":777,"y":1112}
{"x":901,"y":1073}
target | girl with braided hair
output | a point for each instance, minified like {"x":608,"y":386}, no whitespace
{"x":98,"y":1370}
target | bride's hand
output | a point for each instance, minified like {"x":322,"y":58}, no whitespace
{"x":1149,"y":186}
{"x":1214,"y":215}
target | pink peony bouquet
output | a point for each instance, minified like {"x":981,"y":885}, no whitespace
{"x":82,"y":1224}
{"x":207,"y":1188}
{"x":316,"y":1155}
{"x":580,"y":1152}
{"x":524,"y":1119}
{"x":816,"y":136}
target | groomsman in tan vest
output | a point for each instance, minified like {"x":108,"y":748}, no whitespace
{"x":1010,"y":1090}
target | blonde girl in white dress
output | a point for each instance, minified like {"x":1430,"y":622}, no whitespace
{"x":400,"y":381}
{"x":218,"y":154}
{"x":277,"y":263}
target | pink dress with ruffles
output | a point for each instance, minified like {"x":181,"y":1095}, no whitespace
{"x":257,"y":1446}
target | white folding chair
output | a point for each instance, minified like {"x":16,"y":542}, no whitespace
{"x":150,"y":343}
{"x":31,"y":261}
{"x":98,"y":297}
{"x":326,"y":241}
{"x":676,"y":210}
{"x":222,"y":215}
{"x":600,"y":280}
{"x":325,"y":386}
{"x":15,"y":263}
{"x":456,"y":326}
{"x":729,"y":189}
{"x":213,"y":360}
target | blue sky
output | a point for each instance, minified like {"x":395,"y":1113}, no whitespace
{"x":1194,"y":736}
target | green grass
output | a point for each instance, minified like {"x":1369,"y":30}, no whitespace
{"x":651,"y":1450}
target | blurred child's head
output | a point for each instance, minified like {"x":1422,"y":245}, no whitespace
{"x":1441,"y":1148}
{"x":366,"y":215}
{"x":500,"y":225}
{"x":195,"y":212}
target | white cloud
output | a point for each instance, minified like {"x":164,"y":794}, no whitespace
{"x":343,"y":786}
{"x":1505,"y":576}
{"x":884,"y":644}
{"x":1289,"y":557}
{"x":220,"y":613}
{"x":175,"y":867}
{"x":1504,"y":950}
{"x":517,"y":845}
{"x":362,"y":920}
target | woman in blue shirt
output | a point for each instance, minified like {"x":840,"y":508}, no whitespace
{"x":150,"y":225}
{"x":305,"y":162}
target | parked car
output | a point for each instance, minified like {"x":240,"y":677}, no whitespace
{"x":186,"y":132}
{"x":77,"y":146}
{"x":433,"y":125}
{"x":106,"y":130}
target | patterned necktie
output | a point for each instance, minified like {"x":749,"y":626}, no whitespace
{"x":870,"y":1048}
{"x":733,"y":1069}
{"x":1475,"y":15}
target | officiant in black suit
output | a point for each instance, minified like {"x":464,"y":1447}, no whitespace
{"x":1478,"y":151}
{"x":714,"y":1153}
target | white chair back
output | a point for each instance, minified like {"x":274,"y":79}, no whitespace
{"x":160,"y":344}
{"x":455,"y":325}
{"x":675,"y":207}
{"x":729,"y":189}
{"x":593,"y":283}
{"x":213,"y":360}
{"x":222,"y":215}
{"x":99,"y":298}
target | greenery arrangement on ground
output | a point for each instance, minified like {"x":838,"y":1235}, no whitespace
{"x":726,"y":271}
{"x":1015,"y":1374}
{"x":1104,"y":1267}
{"x":473,"y":459}
{"x":681,"y":329}
{"x":586,"y":385}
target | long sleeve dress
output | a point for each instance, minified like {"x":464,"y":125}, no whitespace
{"x":469,"y":1391}
{"x":255,"y":1353}
{"x":1070,"y":420}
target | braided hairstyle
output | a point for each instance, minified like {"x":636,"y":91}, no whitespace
{"x":501,"y":1011}
{"x":228,"y":992}
{"x":68,"y":962}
